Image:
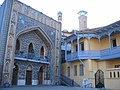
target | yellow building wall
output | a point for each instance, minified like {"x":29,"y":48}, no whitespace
{"x":89,"y":70}
{"x":112,"y":63}
{"x":102,"y":65}
{"x":94,"y":44}
{"x":113,"y":84}
{"x":105,"y":42}
{"x":78,"y":79}
{"x":86,"y":44}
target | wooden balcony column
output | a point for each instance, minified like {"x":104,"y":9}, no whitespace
{"x":71,"y":48}
{"x":99,"y":43}
{"x":109,"y":40}
{"x":65,"y":50}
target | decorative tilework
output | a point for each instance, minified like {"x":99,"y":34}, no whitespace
{"x":26,"y":22}
{"x":34,"y":14}
{"x":4,"y":32}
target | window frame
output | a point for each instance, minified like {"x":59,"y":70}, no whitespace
{"x":81,"y":71}
{"x":75,"y":70}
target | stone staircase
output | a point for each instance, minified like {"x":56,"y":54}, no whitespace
{"x":68,"y":82}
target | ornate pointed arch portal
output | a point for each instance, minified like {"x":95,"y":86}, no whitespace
{"x":33,"y":30}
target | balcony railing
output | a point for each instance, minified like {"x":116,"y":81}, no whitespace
{"x":112,"y":73}
{"x":95,"y":54}
{"x":33,"y":56}
{"x":88,"y":54}
{"x":68,"y":81}
{"x":110,"y":53}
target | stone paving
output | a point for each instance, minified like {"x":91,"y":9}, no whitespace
{"x":46,"y":88}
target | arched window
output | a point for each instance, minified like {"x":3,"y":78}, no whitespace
{"x":31,"y":51}
{"x":7,"y":67}
{"x":12,"y":29}
{"x":17,"y":45}
{"x":42,"y":52}
{"x":10,"y":41}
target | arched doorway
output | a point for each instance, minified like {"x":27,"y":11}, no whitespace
{"x":99,"y":79}
{"x":40,"y":75}
{"x":29,"y":75}
{"x":42,"y":52}
{"x":30,"y":51}
{"x":15,"y":75}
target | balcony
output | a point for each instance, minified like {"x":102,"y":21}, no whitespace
{"x":31,"y":57}
{"x":110,"y":53}
{"x":88,"y":54}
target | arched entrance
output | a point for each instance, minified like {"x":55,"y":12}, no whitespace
{"x":29,"y":75}
{"x":40,"y":75}
{"x":99,"y":79}
{"x":15,"y":75}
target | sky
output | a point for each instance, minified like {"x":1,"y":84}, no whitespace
{"x":100,"y":12}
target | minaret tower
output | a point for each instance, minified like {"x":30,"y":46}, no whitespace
{"x":82,"y":20}
{"x":59,"y":16}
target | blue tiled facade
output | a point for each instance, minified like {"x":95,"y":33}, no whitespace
{"x":21,"y":22}
{"x":2,"y":7}
{"x":26,"y":22}
{"x":6,"y":12}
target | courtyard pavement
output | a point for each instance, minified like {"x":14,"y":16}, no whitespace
{"x":46,"y":88}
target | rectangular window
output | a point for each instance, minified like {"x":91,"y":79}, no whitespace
{"x":81,"y":70}
{"x":117,"y":66}
{"x":68,"y":71}
{"x":114,"y":44}
{"x":82,"y":46}
{"x":75,"y":70}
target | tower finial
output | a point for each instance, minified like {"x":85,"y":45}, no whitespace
{"x":82,"y":13}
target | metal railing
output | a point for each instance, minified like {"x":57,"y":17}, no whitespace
{"x":68,"y":81}
{"x":22,"y":54}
